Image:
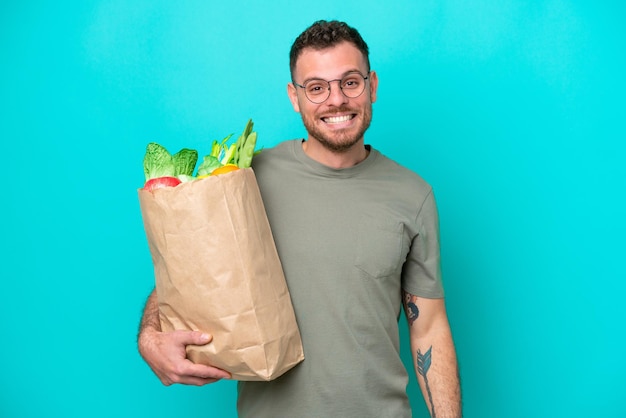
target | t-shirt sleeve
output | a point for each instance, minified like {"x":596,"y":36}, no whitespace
{"x":421,"y":273}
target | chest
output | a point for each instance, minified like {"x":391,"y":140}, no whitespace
{"x":341,"y":224}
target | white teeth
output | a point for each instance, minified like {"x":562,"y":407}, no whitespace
{"x":338,"y":119}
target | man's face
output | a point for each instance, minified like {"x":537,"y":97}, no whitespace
{"x":339,"y":122}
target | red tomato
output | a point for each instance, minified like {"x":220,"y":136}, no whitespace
{"x":161,"y":182}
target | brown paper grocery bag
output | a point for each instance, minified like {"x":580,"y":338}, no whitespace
{"x":217,"y":270}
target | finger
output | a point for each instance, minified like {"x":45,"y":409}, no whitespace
{"x":197,"y":381}
{"x":190,"y":378}
{"x":187,"y":368}
{"x":206,"y":372}
{"x":193,"y":337}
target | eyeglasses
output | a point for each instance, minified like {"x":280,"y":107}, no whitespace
{"x":352,"y":85}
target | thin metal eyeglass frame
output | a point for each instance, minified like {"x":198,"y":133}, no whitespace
{"x":365,"y":78}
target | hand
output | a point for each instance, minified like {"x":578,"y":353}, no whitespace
{"x":165,"y":354}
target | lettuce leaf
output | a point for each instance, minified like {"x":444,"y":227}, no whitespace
{"x":209,"y":163}
{"x":185,"y":161}
{"x":158,"y":162}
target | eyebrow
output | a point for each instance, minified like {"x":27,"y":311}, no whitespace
{"x":342,"y":76}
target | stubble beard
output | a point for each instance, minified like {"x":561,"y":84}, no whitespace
{"x":339,"y":141}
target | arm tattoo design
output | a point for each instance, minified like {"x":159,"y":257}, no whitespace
{"x":410,"y":307}
{"x":423,"y":365}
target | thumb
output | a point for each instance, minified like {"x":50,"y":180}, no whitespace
{"x":195,"y":338}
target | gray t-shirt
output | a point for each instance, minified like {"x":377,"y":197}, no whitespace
{"x":348,"y":240}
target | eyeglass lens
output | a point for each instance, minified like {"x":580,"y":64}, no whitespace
{"x":352,"y":85}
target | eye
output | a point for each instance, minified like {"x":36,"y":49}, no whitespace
{"x":351,"y":82}
{"x":315,"y":87}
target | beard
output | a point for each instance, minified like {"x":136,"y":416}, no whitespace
{"x":342,"y":140}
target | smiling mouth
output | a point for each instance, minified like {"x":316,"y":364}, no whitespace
{"x":337,"y":119}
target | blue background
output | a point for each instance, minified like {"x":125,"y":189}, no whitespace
{"x":513,"y":110}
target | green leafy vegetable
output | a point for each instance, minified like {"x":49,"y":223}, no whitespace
{"x":220,"y":148}
{"x":229,"y":153}
{"x":247,"y":151}
{"x":158,"y":162}
{"x":240,"y":152}
{"x":240,"y":159}
{"x":185,"y":162}
{"x":185,"y":178}
{"x":209,"y":163}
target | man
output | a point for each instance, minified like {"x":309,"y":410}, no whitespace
{"x":358,"y":238}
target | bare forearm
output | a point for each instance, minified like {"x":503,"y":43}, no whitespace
{"x":437,"y":372}
{"x":150,"y":317}
{"x":434,"y":356}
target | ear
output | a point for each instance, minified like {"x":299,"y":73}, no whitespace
{"x":293,"y":97}
{"x":373,"y":85}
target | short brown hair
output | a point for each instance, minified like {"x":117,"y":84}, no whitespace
{"x":325,"y":34}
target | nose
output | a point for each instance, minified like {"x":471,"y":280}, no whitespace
{"x":336,"y":96}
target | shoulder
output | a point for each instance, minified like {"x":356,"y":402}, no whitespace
{"x":403,"y":178}
{"x":273,"y":165}
{"x":273,"y":155}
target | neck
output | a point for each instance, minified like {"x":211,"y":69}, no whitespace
{"x":335,"y":159}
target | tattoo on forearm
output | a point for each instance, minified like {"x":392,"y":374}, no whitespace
{"x":410,"y":308}
{"x":423,"y":365}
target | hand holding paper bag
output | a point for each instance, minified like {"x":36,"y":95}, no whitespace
{"x":165,"y":352}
